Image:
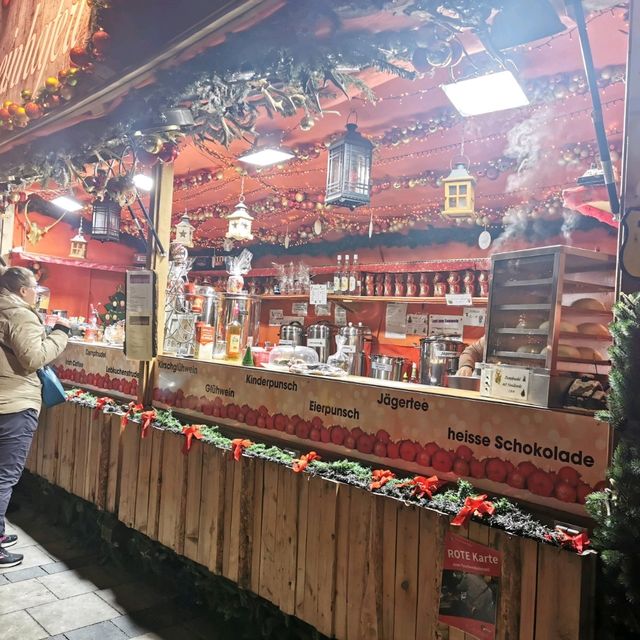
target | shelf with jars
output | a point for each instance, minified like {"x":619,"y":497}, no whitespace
{"x":477,"y":301}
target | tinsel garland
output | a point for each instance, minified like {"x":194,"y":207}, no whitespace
{"x":507,"y":516}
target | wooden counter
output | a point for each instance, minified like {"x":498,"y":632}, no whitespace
{"x":475,"y":437}
{"x":354,"y":564}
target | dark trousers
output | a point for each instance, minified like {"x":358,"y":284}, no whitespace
{"x":16,"y":434}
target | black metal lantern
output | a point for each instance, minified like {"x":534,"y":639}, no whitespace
{"x":349,"y":170}
{"x":105,"y":225}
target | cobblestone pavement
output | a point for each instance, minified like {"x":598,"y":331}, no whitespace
{"x":61,"y":591}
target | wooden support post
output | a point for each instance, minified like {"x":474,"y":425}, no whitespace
{"x":160,"y":209}
{"x":629,"y":234}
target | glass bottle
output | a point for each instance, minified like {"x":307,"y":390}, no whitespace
{"x":344,"y":279}
{"x":337,"y":276}
{"x":354,"y":277}
{"x":233,"y":336}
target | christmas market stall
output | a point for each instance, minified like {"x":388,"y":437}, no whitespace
{"x":340,"y":277}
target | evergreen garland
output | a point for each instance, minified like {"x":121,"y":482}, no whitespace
{"x":617,"y":510}
{"x":507,"y":516}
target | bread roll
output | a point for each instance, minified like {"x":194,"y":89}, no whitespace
{"x":528,"y":348}
{"x":589,"y":353}
{"x":588,"y":304}
{"x":567,"y":351}
{"x":569,"y":327}
{"x":594,"y":329}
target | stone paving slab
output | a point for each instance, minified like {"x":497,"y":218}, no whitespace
{"x":19,"y":625}
{"x":67,"y":584}
{"x":101,"y":631}
{"x":72,"y":613}
{"x":20,"y":595}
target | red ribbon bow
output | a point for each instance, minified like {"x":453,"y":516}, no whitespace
{"x":133,"y":408}
{"x":423,"y":486}
{"x":380,"y":477}
{"x":239,"y":445}
{"x":578,"y":542}
{"x":76,"y":393}
{"x":303,"y":462}
{"x":478,"y":506}
{"x":100,"y":404}
{"x":190,"y":432}
{"x":147,"y":418}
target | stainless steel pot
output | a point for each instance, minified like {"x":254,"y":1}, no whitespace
{"x":387,"y":367}
{"x":439,"y":358}
{"x":356,"y":336}
{"x":319,"y":339}
{"x":212,"y":301}
{"x":291,"y":334}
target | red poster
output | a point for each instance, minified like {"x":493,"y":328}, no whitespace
{"x":470,"y":586}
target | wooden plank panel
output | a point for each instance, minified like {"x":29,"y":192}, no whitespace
{"x":113,"y":472}
{"x":389,"y":541}
{"x":81,"y":450}
{"x":373,"y":593}
{"x":343,"y":546}
{"x":301,"y":561}
{"x":559,"y":594}
{"x":51,"y":445}
{"x":528,"y":588}
{"x":269,"y":552}
{"x":248,"y":503}
{"x":212,"y":513}
{"x":67,"y":446}
{"x":232,"y":518}
{"x":310,"y":598}
{"x":102,"y":466}
{"x":155,"y":483}
{"x":327,"y":516}
{"x":358,"y":562}
{"x":232,"y":467}
{"x":143,"y":473}
{"x":194,"y":495}
{"x":258,"y":483}
{"x":407,"y":557}
{"x":130,"y":451}
{"x":173,"y":494}
{"x":287,"y":536}
{"x":94,"y":430}
{"x":433,"y":530}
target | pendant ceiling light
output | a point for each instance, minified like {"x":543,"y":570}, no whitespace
{"x":240,"y":220}
{"x":267,"y":150}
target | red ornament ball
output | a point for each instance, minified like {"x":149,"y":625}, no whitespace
{"x":101,"y":42}
{"x":79,"y":56}
{"x":168,"y":153}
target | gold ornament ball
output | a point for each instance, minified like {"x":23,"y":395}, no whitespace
{"x":307,"y":123}
{"x":152,"y":144}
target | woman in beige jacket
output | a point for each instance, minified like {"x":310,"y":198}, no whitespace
{"x":24,"y":348}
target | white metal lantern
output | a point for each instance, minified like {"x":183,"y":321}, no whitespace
{"x":78,"y":245}
{"x":349,"y":170}
{"x":459,"y":192}
{"x":240,"y":223}
{"x":184,"y":231}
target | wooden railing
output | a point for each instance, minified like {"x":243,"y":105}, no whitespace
{"x":351,"y":563}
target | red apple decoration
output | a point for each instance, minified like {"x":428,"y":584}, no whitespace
{"x":569,"y":475}
{"x":565,"y":492}
{"x":442,"y":461}
{"x":540,"y":483}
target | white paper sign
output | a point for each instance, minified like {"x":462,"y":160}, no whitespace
{"x":417,"y":324}
{"x":458,"y":299}
{"x":299,"y":308}
{"x":510,"y":383}
{"x":323,"y":309}
{"x":340,"y":316}
{"x":318,"y":294}
{"x":396,"y":320}
{"x":275,"y":317}
{"x":442,"y":325}
{"x":139,"y":316}
{"x":472,"y":317}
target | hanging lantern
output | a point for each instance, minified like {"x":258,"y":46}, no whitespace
{"x":349,"y":170}
{"x":240,"y":220}
{"x":184,"y":231}
{"x":239,"y":223}
{"x":78,"y":245}
{"x":459,"y":192}
{"x":105,"y":225}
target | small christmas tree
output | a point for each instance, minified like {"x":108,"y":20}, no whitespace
{"x":617,"y":510}
{"x":115,"y":309}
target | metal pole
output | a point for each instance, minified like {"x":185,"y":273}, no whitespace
{"x":598,"y":121}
